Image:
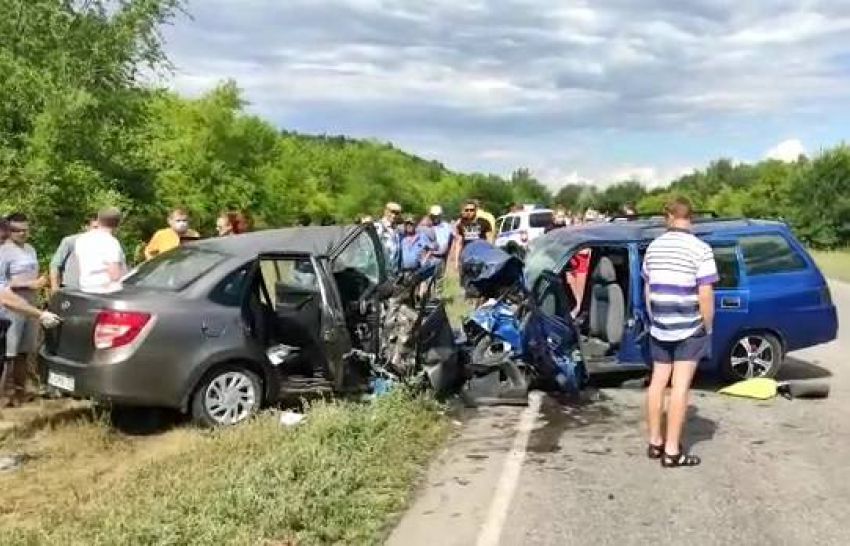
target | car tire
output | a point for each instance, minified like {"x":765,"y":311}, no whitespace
{"x":753,"y":354}
{"x":227,"y":395}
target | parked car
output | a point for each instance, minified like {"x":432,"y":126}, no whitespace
{"x":221,"y":327}
{"x":771,"y":298}
{"x":522,"y":227}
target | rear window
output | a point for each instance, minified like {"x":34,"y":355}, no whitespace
{"x":174,"y":270}
{"x":539,"y":219}
{"x":769,"y":253}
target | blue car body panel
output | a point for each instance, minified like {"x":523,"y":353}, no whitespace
{"x":545,"y":342}
{"x":793,"y":305}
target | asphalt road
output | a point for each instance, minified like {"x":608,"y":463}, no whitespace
{"x":775,"y":472}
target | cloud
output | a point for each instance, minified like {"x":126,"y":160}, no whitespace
{"x":787,"y":150}
{"x":481,"y":84}
{"x":648,"y":175}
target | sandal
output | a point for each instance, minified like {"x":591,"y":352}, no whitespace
{"x":655,"y":451}
{"x":679,"y":459}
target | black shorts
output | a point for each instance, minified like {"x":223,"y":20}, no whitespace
{"x":692,"y":349}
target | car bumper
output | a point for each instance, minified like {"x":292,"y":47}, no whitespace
{"x":116,"y":382}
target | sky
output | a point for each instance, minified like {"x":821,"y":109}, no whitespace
{"x":577,"y":91}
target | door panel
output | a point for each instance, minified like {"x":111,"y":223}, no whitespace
{"x":731,"y":300}
{"x":550,"y":334}
{"x":634,"y":348}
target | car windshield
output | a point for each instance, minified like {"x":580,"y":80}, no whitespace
{"x":543,"y":255}
{"x":174,"y":270}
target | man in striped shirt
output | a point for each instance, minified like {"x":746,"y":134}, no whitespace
{"x":679,"y":273}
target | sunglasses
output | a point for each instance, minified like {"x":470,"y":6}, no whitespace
{"x":468,"y":210}
{"x":18,"y":230}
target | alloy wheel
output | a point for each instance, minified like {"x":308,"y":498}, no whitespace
{"x":230,"y":398}
{"x":753,"y":356}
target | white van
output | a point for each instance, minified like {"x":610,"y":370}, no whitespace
{"x":522,"y":227}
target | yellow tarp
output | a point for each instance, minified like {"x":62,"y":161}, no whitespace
{"x":759,"y":388}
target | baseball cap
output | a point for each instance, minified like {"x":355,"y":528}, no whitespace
{"x":436,"y":210}
{"x":393,"y":207}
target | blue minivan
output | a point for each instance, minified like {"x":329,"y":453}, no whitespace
{"x":771,"y":298}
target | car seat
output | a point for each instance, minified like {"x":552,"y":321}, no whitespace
{"x":607,"y":307}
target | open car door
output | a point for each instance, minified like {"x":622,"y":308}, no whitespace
{"x":292,"y":304}
{"x":551,"y":336}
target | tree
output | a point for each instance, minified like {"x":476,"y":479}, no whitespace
{"x":820,"y":191}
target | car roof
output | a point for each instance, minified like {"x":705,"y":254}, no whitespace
{"x":644,"y":230}
{"x":524,"y":213}
{"x":316,"y":240}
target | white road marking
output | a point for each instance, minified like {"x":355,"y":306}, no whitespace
{"x":491,"y":531}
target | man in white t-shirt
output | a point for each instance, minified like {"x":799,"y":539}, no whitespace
{"x":99,"y":255}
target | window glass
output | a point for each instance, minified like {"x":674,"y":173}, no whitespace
{"x":769,"y":253}
{"x":294,"y":272}
{"x":551,"y":299}
{"x":229,"y":290}
{"x":540,"y":219}
{"x":726,"y":259}
{"x":359,"y":256}
{"x":502,"y":224}
{"x":174,"y":270}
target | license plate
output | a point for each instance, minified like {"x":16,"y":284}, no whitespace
{"x":60,"y":381}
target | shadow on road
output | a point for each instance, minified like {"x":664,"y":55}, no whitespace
{"x":698,"y":428}
{"x":796,"y":369}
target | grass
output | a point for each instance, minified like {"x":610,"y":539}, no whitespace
{"x":456,"y":305}
{"x":835,"y":264}
{"x":336,"y":478}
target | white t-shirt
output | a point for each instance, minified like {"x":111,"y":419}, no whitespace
{"x":95,"y":250}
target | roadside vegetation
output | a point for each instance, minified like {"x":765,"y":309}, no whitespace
{"x":835,"y":265}
{"x":336,"y":478}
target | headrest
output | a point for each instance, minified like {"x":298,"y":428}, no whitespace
{"x":605,"y":272}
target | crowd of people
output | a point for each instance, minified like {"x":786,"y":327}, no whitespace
{"x":412,"y":243}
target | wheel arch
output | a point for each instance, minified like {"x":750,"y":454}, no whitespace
{"x":264,"y":371}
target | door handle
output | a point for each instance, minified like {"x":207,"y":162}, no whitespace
{"x":729,"y":302}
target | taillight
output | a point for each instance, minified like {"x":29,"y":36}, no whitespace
{"x":113,"y":329}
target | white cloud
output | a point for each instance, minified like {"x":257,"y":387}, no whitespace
{"x":498,"y":84}
{"x":787,"y":150}
{"x":648,"y":175}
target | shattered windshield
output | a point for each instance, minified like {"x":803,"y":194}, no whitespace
{"x":544,"y":254}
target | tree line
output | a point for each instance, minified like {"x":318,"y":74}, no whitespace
{"x":810,"y":194}
{"x":81,"y":126}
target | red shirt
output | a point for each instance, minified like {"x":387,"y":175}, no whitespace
{"x":580,"y":263}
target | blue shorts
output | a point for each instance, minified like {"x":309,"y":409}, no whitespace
{"x":692,"y":349}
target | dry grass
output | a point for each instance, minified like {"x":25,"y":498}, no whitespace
{"x":74,"y":456}
{"x":334,"y":479}
{"x":835,"y":265}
